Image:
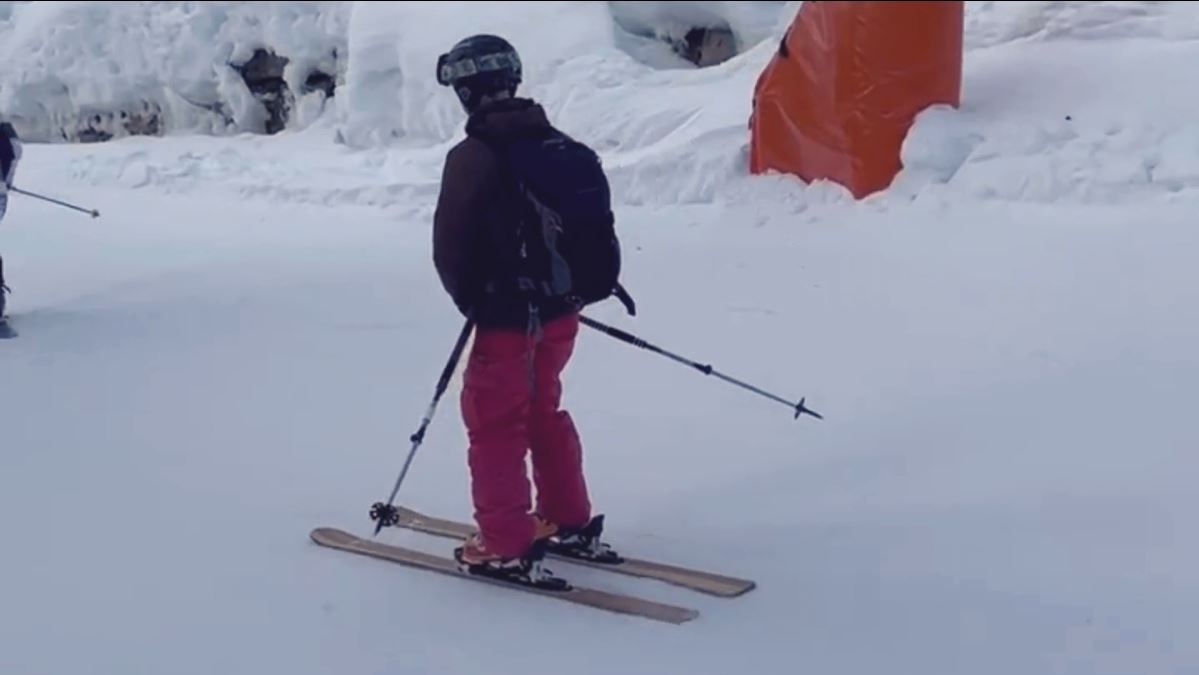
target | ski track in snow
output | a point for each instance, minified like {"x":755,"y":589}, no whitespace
{"x":1002,"y":346}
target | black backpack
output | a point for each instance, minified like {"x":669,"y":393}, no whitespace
{"x":566,"y":251}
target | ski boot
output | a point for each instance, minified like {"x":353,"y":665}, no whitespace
{"x":583,"y":543}
{"x":526,"y":570}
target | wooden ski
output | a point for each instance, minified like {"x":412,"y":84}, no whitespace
{"x":697,"y":580}
{"x":612,"y":602}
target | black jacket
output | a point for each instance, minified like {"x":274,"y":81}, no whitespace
{"x":477,"y":204}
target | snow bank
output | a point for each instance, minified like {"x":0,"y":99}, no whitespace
{"x":94,"y":71}
{"x":172,"y":61}
{"x":78,"y":68}
{"x":992,"y":23}
{"x":1066,"y":100}
{"x":1053,"y":102}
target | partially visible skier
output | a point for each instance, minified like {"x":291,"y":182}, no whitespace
{"x":10,"y":154}
{"x":522,"y":269}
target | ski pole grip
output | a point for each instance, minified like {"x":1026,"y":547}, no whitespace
{"x":621,"y":335}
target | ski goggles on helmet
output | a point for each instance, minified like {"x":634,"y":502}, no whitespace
{"x":449,"y":72}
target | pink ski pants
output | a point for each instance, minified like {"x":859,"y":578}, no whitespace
{"x":507,"y":419}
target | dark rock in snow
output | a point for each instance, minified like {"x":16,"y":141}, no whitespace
{"x":263,"y":75}
{"x":708,"y":46}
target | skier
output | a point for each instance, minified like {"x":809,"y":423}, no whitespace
{"x":512,"y":388}
{"x":10,"y":154}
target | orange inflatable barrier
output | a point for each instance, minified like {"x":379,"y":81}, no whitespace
{"x":838,"y":99}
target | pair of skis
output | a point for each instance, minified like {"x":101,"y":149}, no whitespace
{"x":697,"y":580}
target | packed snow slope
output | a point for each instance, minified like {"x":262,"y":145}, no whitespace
{"x":1002,"y":346}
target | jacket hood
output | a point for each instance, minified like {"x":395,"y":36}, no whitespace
{"x":508,"y":118}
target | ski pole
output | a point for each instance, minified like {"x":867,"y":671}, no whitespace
{"x":386,"y":515}
{"x":92,"y":212}
{"x":621,"y":335}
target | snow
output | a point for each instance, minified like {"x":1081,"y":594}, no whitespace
{"x":1002,"y":346}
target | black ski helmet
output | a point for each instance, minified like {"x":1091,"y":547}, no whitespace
{"x":480,"y":67}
